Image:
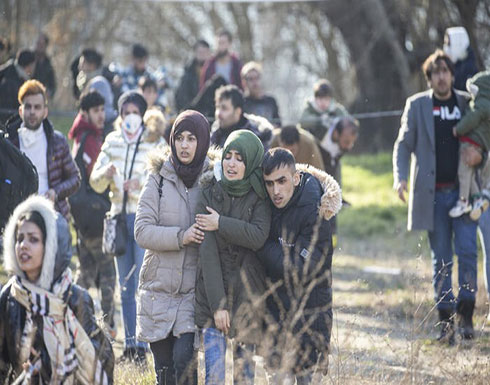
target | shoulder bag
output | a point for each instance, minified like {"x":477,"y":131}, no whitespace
{"x":115,"y":235}
{"x":87,"y":207}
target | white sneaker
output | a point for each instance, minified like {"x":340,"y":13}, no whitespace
{"x":480,"y":205}
{"x":462,"y":207}
{"x":281,"y":379}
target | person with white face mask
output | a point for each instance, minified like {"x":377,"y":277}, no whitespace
{"x":132,"y":125}
{"x":121,"y":167}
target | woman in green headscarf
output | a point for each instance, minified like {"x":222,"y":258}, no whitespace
{"x":235,"y":216}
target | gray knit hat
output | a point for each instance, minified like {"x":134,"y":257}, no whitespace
{"x":132,"y":97}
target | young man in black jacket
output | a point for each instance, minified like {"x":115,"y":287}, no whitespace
{"x":189,"y":82}
{"x":13,"y":74}
{"x":298,"y":258}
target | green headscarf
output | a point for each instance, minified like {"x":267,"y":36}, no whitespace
{"x":252,"y":151}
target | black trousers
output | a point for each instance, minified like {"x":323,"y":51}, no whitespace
{"x":175,"y":360}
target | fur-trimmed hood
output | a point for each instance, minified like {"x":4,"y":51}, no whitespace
{"x":331,"y":201}
{"x":155,"y":124}
{"x":57,"y":249}
{"x":158,"y":157}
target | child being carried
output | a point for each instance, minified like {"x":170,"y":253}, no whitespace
{"x":474,"y":132}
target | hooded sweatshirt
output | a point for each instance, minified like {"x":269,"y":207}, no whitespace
{"x":15,"y":342}
{"x":318,"y":122}
{"x":93,"y":143}
{"x":459,"y":51}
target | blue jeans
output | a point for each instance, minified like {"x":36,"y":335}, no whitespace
{"x":214,"y":358}
{"x":128,"y":269}
{"x":484,"y":233}
{"x":463,"y":231}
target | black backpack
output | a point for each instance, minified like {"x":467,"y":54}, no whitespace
{"x":18,"y":178}
{"x":87,"y":207}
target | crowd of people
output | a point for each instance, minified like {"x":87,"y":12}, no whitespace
{"x":215,"y":232}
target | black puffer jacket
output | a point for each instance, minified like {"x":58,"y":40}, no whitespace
{"x":189,"y":86}
{"x":257,"y":124}
{"x":63,"y":174}
{"x":298,"y":260}
{"x":57,"y":257}
{"x":10,"y":82}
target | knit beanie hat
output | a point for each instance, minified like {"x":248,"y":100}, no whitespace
{"x":132,"y":97}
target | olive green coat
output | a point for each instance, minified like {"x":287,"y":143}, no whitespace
{"x":229,"y":275}
{"x":476,"y":122}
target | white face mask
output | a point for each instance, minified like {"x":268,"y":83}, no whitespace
{"x":132,"y":123}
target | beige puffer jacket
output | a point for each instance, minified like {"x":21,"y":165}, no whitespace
{"x":117,"y":151}
{"x":165,"y":301}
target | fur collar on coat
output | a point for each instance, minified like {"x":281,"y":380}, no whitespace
{"x":330,"y":203}
{"x":158,"y":158}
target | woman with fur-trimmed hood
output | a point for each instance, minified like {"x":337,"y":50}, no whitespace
{"x":165,"y":227}
{"x":48,"y":333}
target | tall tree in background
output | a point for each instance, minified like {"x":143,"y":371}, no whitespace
{"x":383,"y":38}
{"x":370,"y":50}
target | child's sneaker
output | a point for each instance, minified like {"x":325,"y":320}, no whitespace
{"x":479,"y":206}
{"x":462,"y":207}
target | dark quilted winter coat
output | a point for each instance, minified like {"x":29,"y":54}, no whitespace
{"x":63,"y":174}
{"x":298,"y":259}
{"x":10,"y":82}
{"x":257,"y":124}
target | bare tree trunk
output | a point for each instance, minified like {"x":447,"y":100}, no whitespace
{"x":467,"y":11}
{"x":18,"y":24}
{"x":8,"y":14}
{"x":244,"y":31}
{"x":381,"y":66}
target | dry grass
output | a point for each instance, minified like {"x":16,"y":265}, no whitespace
{"x":383,"y":330}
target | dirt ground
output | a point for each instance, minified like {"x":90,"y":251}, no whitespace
{"x":384,"y":327}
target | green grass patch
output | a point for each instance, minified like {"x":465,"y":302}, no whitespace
{"x":62,"y":123}
{"x":376,"y":223}
{"x":367,"y":221}
{"x":367,"y":182}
